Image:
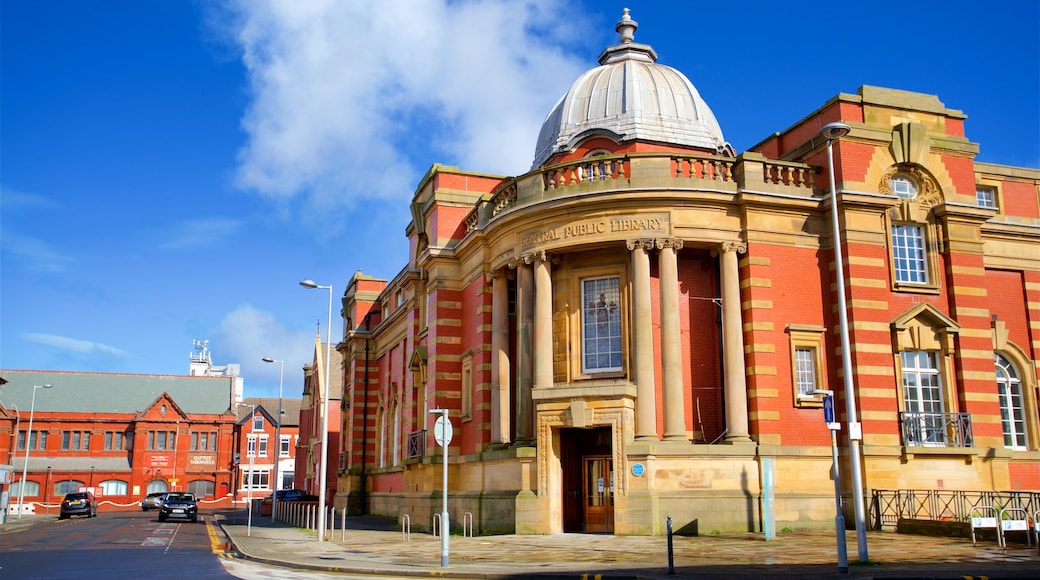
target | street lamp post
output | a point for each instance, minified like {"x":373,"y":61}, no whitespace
{"x":249,"y":480}
{"x":839,"y":518}
{"x":28,"y":440}
{"x":324,"y":476}
{"x":277,"y":437}
{"x":832,"y":132}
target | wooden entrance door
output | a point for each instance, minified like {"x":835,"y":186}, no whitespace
{"x":598,"y":478}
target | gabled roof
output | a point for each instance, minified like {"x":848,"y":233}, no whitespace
{"x":269,"y":407}
{"x":85,"y":392}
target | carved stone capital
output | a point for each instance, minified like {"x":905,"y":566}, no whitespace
{"x":673,"y":243}
{"x":504,"y":271}
{"x":641,"y":244}
{"x":738,"y":247}
{"x":539,"y":256}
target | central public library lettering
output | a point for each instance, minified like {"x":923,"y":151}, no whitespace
{"x":652,"y":224}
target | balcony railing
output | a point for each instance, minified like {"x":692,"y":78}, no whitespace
{"x":416,"y":444}
{"x":936,"y":429}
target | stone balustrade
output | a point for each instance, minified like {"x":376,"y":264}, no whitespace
{"x":749,"y":172}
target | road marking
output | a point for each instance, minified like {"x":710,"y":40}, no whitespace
{"x":214,"y":540}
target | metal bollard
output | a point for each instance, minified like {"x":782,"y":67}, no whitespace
{"x":406,"y":527}
{"x":671,"y":560}
{"x":436,"y":525}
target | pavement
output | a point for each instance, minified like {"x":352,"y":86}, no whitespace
{"x":378,"y":547}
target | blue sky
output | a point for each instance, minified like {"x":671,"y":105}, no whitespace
{"x":169,"y":171}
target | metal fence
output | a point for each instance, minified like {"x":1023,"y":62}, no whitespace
{"x":887,"y":507}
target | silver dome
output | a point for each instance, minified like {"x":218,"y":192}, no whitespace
{"x":629,"y":96}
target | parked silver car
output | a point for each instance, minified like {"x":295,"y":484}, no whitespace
{"x":153,"y":501}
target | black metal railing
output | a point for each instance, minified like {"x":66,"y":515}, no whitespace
{"x":936,"y":429}
{"x":887,"y":507}
{"x":417,"y":444}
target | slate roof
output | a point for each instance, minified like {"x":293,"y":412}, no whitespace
{"x":86,"y":392}
{"x":290,"y":409}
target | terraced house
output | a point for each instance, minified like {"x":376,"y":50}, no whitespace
{"x":643,"y":324}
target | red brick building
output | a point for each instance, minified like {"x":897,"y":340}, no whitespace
{"x":121,"y":435}
{"x":640,"y":326}
{"x":308,"y":446}
{"x":265,"y":451}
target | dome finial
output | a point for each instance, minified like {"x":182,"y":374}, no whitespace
{"x":626,"y":27}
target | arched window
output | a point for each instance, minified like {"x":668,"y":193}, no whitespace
{"x":32,"y":489}
{"x":1012,"y":404}
{"x":67,"y":486}
{"x":157,"y":486}
{"x":201,"y":488}
{"x":113,"y":487}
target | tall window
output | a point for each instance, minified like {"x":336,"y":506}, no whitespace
{"x":251,"y":446}
{"x":75,"y":440}
{"x":601,"y":324}
{"x":263,"y":446}
{"x":908,"y":254}
{"x":161,"y":440}
{"x":1012,"y":406}
{"x":283,"y":446}
{"x":115,"y":441}
{"x":37,"y":440}
{"x":258,"y":422}
{"x":203,"y":441}
{"x":922,"y":391}
{"x":805,"y":370}
{"x":467,"y":388}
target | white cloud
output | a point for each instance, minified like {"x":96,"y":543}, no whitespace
{"x":11,"y":199}
{"x":247,"y":334}
{"x":201,"y":232}
{"x":36,"y":254}
{"x":354,"y":100}
{"x":74,"y":345}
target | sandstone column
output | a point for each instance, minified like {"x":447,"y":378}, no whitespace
{"x":525,"y":351}
{"x":733,"y":344}
{"x":643,"y":339}
{"x":543,"y":348}
{"x":500,"y":367}
{"x":671,"y":341}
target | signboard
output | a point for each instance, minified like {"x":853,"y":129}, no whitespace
{"x":443,"y":431}
{"x":638,"y":469}
{"x":828,"y":409}
{"x":159,"y":461}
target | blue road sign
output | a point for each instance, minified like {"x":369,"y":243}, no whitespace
{"x":828,"y":409}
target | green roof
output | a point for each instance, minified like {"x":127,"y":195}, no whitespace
{"x":86,"y":392}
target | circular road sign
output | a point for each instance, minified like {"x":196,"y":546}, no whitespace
{"x":442,"y":431}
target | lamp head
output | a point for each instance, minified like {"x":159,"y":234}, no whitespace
{"x":832,"y":131}
{"x":42,"y":386}
{"x":308,"y":284}
{"x":268,"y":359}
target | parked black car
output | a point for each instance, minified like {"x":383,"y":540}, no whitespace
{"x":291,"y":495}
{"x":153,"y":501}
{"x":179,"y":505}
{"x":80,"y":503}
